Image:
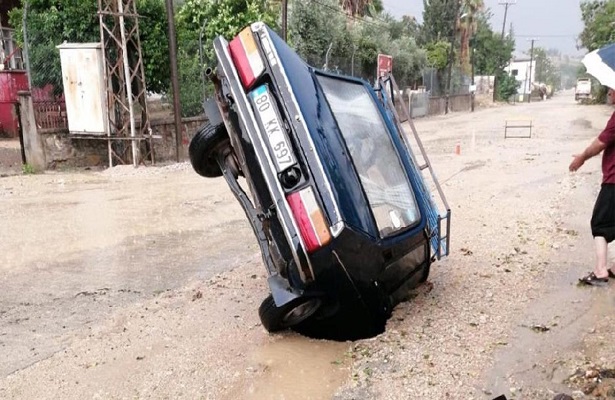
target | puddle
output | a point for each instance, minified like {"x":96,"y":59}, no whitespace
{"x":531,"y":358}
{"x":582,"y":122}
{"x":295,"y":367}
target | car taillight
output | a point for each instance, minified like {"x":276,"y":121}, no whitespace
{"x":246,"y":57}
{"x":310,"y":219}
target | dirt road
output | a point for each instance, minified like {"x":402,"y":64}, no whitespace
{"x":145,"y":283}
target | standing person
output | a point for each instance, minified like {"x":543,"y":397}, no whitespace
{"x":603,"y":217}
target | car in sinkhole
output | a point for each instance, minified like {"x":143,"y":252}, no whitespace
{"x":347,"y":218}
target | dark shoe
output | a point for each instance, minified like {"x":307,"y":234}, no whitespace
{"x":592,"y":280}
{"x":611,"y":274}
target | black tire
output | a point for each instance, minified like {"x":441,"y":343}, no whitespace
{"x":276,"y":318}
{"x":425,"y":273}
{"x":204,"y":148}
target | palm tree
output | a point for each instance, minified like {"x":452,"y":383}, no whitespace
{"x":360,"y":7}
{"x":467,"y":26}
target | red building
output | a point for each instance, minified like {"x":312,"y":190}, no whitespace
{"x":12,"y":73}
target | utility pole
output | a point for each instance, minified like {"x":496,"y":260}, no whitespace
{"x":285,"y":20}
{"x":506,"y":4}
{"x":174,"y":80}
{"x":451,"y":56}
{"x":449,"y":73}
{"x":26,"y":45}
{"x":531,"y":62}
{"x":473,"y":93}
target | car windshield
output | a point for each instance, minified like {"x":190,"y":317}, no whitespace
{"x":372,"y":151}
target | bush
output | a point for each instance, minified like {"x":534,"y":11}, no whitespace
{"x":506,"y":86}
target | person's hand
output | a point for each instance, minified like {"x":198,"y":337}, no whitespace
{"x":576,"y":163}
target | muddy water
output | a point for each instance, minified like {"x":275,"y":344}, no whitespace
{"x":533,"y":356}
{"x":95,"y":246}
{"x":545,"y":343}
{"x":294,"y":367}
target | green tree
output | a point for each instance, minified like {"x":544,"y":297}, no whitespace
{"x":507,"y":86}
{"x":52,"y":22}
{"x":354,"y":43}
{"x":491,"y":53}
{"x":546,"y":71}
{"x":407,"y":26}
{"x":220,"y":17}
{"x":409,"y":60}
{"x":369,"y":39}
{"x":316,"y":27}
{"x":599,"y":30}
{"x":439,"y":20}
{"x":211,"y":18}
{"x":598,"y":17}
{"x":437,"y":54}
{"x":153,"y":32}
{"x":362,"y":7}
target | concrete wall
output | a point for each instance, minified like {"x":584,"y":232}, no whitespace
{"x":165,"y":148}
{"x":64,"y":150}
{"x":457,"y":103}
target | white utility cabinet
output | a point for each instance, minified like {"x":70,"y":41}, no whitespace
{"x":84,"y":88}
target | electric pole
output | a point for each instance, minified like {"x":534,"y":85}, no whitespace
{"x":285,"y":20}
{"x":473,"y":91}
{"x":531,"y":62}
{"x":174,"y":80}
{"x":506,"y":4}
{"x":451,"y":55}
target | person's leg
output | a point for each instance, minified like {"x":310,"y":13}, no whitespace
{"x":601,"y":257}
{"x":603,"y":231}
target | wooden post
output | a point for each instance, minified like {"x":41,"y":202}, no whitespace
{"x":32,"y":142}
{"x":177,"y":108}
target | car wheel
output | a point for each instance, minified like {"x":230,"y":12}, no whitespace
{"x":425,"y":273}
{"x":204,"y":147}
{"x":276,"y":318}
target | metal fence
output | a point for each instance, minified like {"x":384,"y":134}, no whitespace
{"x":456,"y":103}
{"x":419,"y":104}
{"x":50,"y":115}
{"x":192,"y":60}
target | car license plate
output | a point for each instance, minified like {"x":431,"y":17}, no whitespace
{"x":279,"y":146}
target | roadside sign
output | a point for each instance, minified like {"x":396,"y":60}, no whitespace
{"x":385,"y":64}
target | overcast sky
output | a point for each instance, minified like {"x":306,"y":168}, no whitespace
{"x":555,"y":23}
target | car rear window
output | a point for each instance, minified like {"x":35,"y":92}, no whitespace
{"x":373,"y":154}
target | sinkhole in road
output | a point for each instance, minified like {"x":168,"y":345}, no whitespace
{"x":338,"y":332}
{"x":349,"y":323}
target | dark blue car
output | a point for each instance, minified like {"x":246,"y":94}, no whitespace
{"x":324,"y":172}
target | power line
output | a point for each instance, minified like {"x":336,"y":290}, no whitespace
{"x":506,"y":4}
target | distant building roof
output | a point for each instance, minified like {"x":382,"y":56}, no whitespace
{"x":524,"y":59}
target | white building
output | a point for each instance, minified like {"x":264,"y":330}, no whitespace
{"x":520,"y":69}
